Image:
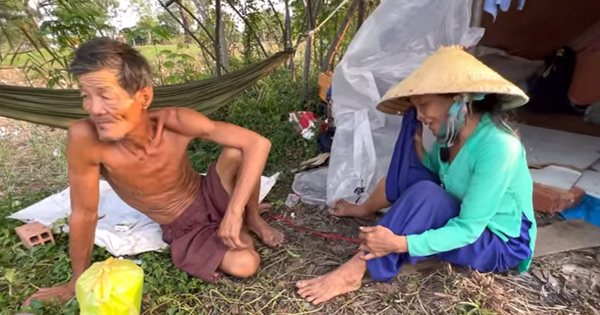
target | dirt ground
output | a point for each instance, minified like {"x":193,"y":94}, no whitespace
{"x":567,"y":283}
{"x":558,"y":284}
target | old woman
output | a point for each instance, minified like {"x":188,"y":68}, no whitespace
{"x":467,"y":200}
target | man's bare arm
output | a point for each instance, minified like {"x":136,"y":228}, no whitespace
{"x":255,"y":151}
{"x":83,"y":179}
{"x":84,"y":176}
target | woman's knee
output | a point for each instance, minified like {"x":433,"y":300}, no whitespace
{"x":427,"y":192}
{"x":425,"y":186}
{"x":424,"y":201}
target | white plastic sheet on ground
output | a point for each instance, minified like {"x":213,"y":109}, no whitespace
{"x":390,"y":45}
{"x":143,"y":234}
{"x":310,"y":186}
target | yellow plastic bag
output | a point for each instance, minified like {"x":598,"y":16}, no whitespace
{"x":112,"y":287}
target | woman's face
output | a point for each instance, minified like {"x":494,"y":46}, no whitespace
{"x":432,"y":109}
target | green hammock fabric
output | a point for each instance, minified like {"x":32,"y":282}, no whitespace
{"x":60,"y":107}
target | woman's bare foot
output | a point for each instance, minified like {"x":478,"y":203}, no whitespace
{"x":346,"y":278}
{"x":343,"y":208}
{"x":267,"y":234}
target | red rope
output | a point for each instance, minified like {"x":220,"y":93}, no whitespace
{"x":317,"y":233}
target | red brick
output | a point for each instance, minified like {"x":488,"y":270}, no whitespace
{"x":34,"y":233}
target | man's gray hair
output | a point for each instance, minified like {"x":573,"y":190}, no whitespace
{"x":133,"y":70}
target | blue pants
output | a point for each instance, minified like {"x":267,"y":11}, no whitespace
{"x":419,"y":204}
{"x":426,"y":205}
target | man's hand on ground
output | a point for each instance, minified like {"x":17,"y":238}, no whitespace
{"x":62,"y":293}
{"x":230,"y":230}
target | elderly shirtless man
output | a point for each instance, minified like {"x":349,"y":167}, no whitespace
{"x":206,"y":220}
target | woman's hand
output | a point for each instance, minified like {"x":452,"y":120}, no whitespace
{"x":419,"y":135}
{"x":418,"y":139}
{"x":379,"y":241}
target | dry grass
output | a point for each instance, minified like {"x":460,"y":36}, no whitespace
{"x":445,"y":290}
{"x":31,"y":156}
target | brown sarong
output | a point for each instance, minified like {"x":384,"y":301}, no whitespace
{"x":193,"y":237}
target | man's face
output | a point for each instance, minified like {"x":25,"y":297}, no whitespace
{"x":112,"y":110}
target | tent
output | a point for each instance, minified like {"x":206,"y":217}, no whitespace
{"x":393,"y":42}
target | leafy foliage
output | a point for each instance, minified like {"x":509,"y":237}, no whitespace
{"x":77,"y":21}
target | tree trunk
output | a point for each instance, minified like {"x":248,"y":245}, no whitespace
{"x":217,"y":42}
{"x":223,"y":42}
{"x":308,"y":52}
{"x":361,"y":13}
{"x":339,"y":35}
{"x":186,"y":24}
{"x":288,"y":38}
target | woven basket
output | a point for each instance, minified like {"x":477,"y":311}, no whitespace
{"x":551,"y":199}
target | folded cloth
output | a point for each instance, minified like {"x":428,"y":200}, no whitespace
{"x":405,"y":166}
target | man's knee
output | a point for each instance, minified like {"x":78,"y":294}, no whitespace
{"x":227,"y":167}
{"x":246,"y":264}
{"x":232,"y":157}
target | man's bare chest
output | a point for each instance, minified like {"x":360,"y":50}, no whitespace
{"x":153,"y":172}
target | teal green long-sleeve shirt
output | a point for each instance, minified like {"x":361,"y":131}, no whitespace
{"x":491,"y":177}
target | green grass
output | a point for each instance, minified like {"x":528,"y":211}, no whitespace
{"x":149,"y":51}
{"x":263,"y":109}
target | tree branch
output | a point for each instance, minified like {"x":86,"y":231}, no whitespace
{"x":189,"y":32}
{"x":249,"y":26}
{"x":212,"y":39}
{"x":217,"y":41}
{"x":339,"y":35}
{"x":276,"y":16}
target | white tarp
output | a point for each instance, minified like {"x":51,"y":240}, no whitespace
{"x":139,"y":234}
{"x":391,"y":44}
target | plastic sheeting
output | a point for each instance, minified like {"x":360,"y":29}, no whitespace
{"x":121,"y":229}
{"x":310,"y":188}
{"x":390,"y":45}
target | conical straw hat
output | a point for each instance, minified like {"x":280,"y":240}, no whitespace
{"x":451,"y":70}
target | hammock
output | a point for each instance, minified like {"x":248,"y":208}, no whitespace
{"x":60,"y":107}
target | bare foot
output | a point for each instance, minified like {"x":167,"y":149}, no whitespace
{"x":264,"y":207}
{"x":343,"y":208}
{"x":346,"y":278}
{"x":267,"y":234}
